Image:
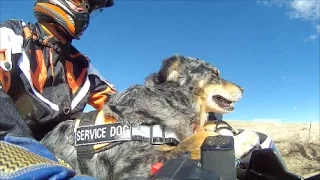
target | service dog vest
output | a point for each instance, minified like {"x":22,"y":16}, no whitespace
{"x":106,"y":133}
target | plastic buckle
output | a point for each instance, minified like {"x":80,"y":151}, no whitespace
{"x":157,"y":140}
{"x":6,"y":64}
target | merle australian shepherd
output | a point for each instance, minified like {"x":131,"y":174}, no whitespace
{"x":176,"y":100}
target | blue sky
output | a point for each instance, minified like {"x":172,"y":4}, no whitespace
{"x":271,"y":48}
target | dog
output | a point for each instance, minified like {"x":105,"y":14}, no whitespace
{"x":176,"y":99}
{"x":223,"y":93}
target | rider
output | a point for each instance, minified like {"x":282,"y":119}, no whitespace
{"x":44,"y":79}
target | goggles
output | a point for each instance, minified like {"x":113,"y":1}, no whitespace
{"x":92,"y":5}
{"x":78,"y":3}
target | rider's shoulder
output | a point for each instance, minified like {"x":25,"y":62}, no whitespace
{"x":15,"y":25}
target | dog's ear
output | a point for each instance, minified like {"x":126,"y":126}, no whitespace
{"x":151,"y":80}
{"x":171,"y":69}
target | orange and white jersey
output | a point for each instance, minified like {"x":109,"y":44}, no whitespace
{"x":48,"y":81}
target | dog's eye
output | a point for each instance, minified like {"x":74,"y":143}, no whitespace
{"x":217,"y":72}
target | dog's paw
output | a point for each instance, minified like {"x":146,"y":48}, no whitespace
{"x":225,"y":132}
{"x":245,"y":142}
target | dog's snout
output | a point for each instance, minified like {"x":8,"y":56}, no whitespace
{"x":241,"y":89}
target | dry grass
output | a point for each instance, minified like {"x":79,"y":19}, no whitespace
{"x":298,"y":143}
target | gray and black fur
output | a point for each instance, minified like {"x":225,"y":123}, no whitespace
{"x":166,"y":99}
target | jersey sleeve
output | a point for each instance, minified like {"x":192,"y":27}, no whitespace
{"x":101,"y":89}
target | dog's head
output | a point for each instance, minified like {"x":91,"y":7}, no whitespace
{"x":213,"y":92}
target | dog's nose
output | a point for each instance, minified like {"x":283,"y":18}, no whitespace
{"x":242,"y":89}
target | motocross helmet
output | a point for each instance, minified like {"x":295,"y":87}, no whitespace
{"x":58,"y":11}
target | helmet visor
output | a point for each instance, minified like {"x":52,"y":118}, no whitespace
{"x":99,"y":4}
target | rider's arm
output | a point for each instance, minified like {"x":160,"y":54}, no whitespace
{"x":101,"y":89}
{"x":16,"y":140}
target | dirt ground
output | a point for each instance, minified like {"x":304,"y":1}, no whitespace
{"x":298,"y":143}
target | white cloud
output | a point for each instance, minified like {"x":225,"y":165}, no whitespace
{"x":314,"y":36}
{"x":271,"y":3}
{"x":298,"y":9}
{"x":311,"y":38}
{"x":306,"y":9}
{"x":286,"y":79}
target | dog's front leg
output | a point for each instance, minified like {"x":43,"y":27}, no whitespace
{"x":191,"y":144}
{"x":245,"y":142}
